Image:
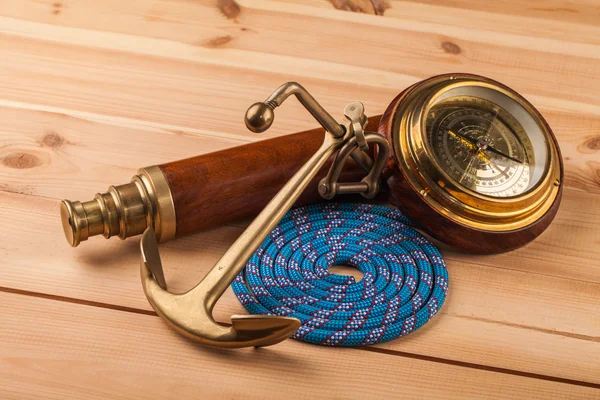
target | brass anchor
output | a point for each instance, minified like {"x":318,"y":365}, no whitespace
{"x":190,"y":313}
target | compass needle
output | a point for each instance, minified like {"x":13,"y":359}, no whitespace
{"x":493,"y":150}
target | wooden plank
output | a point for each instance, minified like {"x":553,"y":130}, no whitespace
{"x":535,"y":310}
{"x":183,"y":20}
{"x":58,"y":350}
{"x":191,"y":88}
{"x":531,"y":71}
{"x":581,"y":12}
{"x":537,"y":18}
{"x":519,"y":61}
{"x":58,"y":155}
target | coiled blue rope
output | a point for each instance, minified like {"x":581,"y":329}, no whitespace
{"x":404,"y":284}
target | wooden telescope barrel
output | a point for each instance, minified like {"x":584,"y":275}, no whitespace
{"x":209,"y":190}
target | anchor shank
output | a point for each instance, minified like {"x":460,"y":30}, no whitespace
{"x":231,"y":263}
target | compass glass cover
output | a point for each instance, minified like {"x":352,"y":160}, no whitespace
{"x":485,"y":141}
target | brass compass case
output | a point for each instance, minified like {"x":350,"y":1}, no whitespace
{"x":470,"y":208}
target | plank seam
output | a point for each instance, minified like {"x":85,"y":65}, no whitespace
{"x":507,"y":268}
{"x":378,"y":350}
{"x":533,"y":328}
{"x":73,"y":300}
{"x":488,"y":368}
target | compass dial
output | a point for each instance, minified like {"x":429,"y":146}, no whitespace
{"x":480,"y":146}
{"x":478,"y":167}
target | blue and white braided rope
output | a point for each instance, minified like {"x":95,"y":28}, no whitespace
{"x":404,"y":284}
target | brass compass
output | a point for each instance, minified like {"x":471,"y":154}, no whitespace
{"x":473,"y":162}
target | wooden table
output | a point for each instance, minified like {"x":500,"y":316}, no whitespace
{"x":91,"y":90}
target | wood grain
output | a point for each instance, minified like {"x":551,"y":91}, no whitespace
{"x":90,"y":91}
{"x":63,"y":350}
{"x":580,"y":12}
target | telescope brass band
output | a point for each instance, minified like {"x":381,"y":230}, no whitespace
{"x":123,"y":211}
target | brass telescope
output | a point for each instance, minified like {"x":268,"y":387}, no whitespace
{"x":210,"y":190}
